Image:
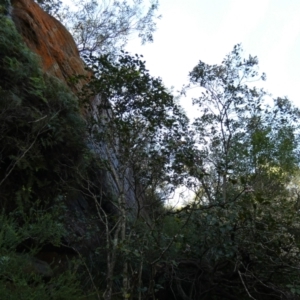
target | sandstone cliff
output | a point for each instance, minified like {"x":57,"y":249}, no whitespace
{"x":49,"y":39}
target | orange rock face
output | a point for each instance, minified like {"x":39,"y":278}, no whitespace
{"x":48,"y":38}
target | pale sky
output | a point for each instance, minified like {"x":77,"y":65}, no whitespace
{"x":207,"y":30}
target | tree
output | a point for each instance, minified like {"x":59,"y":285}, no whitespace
{"x":138,"y":130}
{"x":240,"y":136}
{"x":52,"y":7}
{"x":242,"y":222}
{"x":106,"y":27}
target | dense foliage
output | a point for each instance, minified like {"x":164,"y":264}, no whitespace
{"x":88,"y":180}
{"x":41,"y":137}
{"x":243,"y":210}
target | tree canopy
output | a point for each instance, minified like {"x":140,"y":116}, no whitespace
{"x":105,"y":27}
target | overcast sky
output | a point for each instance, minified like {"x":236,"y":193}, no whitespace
{"x":207,"y":30}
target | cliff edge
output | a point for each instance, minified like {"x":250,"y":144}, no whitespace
{"x":49,"y":39}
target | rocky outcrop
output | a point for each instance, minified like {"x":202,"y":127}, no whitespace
{"x":49,"y":39}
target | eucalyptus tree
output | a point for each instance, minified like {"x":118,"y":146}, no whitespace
{"x":101,"y":27}
{"x":243,"y":225}
{"x":141,"y":133}
{"x":241,"y":136}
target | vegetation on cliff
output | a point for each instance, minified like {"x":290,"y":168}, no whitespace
{"x":84,"y":182}
{"x":41,"y":136}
